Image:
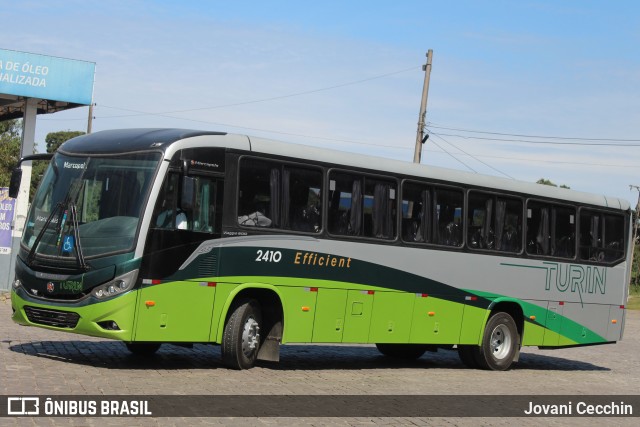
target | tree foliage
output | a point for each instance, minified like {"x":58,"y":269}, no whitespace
{"x":635,"y":278}
{"x":9,"y":149}
{"x":10,"y":142}
{"x":544,"y":181}
{"x":55,"y":139}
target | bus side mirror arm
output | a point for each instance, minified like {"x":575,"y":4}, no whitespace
{"x":16,"y":175}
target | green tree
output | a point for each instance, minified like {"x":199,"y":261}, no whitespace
{"x":55,"y":139}
{"x":9,"y":149}
{"x":10,"y":143}
{"x":544,"y":181}
{"x":38,"y":167}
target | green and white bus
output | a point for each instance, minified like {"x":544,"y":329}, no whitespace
{"x":152,"y":236}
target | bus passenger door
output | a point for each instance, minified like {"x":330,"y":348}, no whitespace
{"x":328,"y":325}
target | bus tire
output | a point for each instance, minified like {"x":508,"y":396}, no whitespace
{"x":468,"y":354}
{"x":402,"y":351}
{"x":241,"y":339}
{"x":500,"y":343}
{"x":144,"y":349}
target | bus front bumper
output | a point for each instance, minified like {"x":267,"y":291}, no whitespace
{"x":113,"y":318}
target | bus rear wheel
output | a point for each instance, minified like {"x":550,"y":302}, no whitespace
{"x":469,"y":355}
{"x":402,"y":351}
{"x":500,"y":343}
{"x":241,"y":339}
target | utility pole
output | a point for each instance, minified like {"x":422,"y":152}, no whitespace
{"x":90,"y":118}
{"x":420,"y":138}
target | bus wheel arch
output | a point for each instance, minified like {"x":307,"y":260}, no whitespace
{"x":254,"y":313}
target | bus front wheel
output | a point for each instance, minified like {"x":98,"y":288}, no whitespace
{"x":500,"y":343}
{"x":241,"y":339}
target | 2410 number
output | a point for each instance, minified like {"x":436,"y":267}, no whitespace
{"x":268,"y":256}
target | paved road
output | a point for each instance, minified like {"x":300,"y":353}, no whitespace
{"x":37,"y":361}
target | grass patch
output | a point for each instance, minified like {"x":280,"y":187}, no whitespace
{"x":634,"y":298}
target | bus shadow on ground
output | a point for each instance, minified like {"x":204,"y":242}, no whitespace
{"x":342,"y":357}
{"x":114,"y":355}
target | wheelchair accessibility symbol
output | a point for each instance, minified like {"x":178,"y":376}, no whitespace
{"x":67,"y":244}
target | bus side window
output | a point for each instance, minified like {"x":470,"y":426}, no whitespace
{"x":601,"y":236}
{"x":167,"y":214}
{"x":203,"y":217}
{"x":613,"y":237}
{"x":551,"y":230}
{"x":480,"y":228}
{"x":508,"y":220}
{"x":302,"y":201}
{"x":448,"y":220}
{"x":590,"y":236}
{"x":563,"y":232}
{"x":538,"y":229}
{"x":259,"y":199}
{"x":379,"y":209}
{"x":494,"y":222}
{"x":416,"y":213}
{"x":345,"y":204}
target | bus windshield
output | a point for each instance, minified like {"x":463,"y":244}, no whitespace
{"x":89,"y":206}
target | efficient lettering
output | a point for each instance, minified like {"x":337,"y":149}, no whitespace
{"x":321,"y":260}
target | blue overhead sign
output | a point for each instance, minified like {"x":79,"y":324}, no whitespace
{"x":46,"y":77}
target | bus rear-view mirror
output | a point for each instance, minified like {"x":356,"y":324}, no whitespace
{"x":14,"y":184}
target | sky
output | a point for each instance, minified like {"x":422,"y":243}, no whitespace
{"x":348,"y":76}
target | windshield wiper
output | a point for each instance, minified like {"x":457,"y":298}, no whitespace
{"x":76,"y":233}
{"x":60,"y":207}
{"x":67,"y":207}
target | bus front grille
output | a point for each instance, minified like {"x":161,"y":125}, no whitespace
{"x":48,"y":317}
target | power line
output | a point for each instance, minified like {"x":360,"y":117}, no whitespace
{"x":526,"y":141}
{"x":534,"y":136}
{"x":255,"y":101}
{"x":395,"y":147}
{"x":454,"y":157}
{"x":546,"y":161}
{"x":484,"y":163}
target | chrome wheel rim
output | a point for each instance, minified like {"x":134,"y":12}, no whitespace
{"x":500,"y":342}
{"x":250,"y":337}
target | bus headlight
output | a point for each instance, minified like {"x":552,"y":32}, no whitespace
{"x":116,"y":286}
{"x":16,"y":284}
